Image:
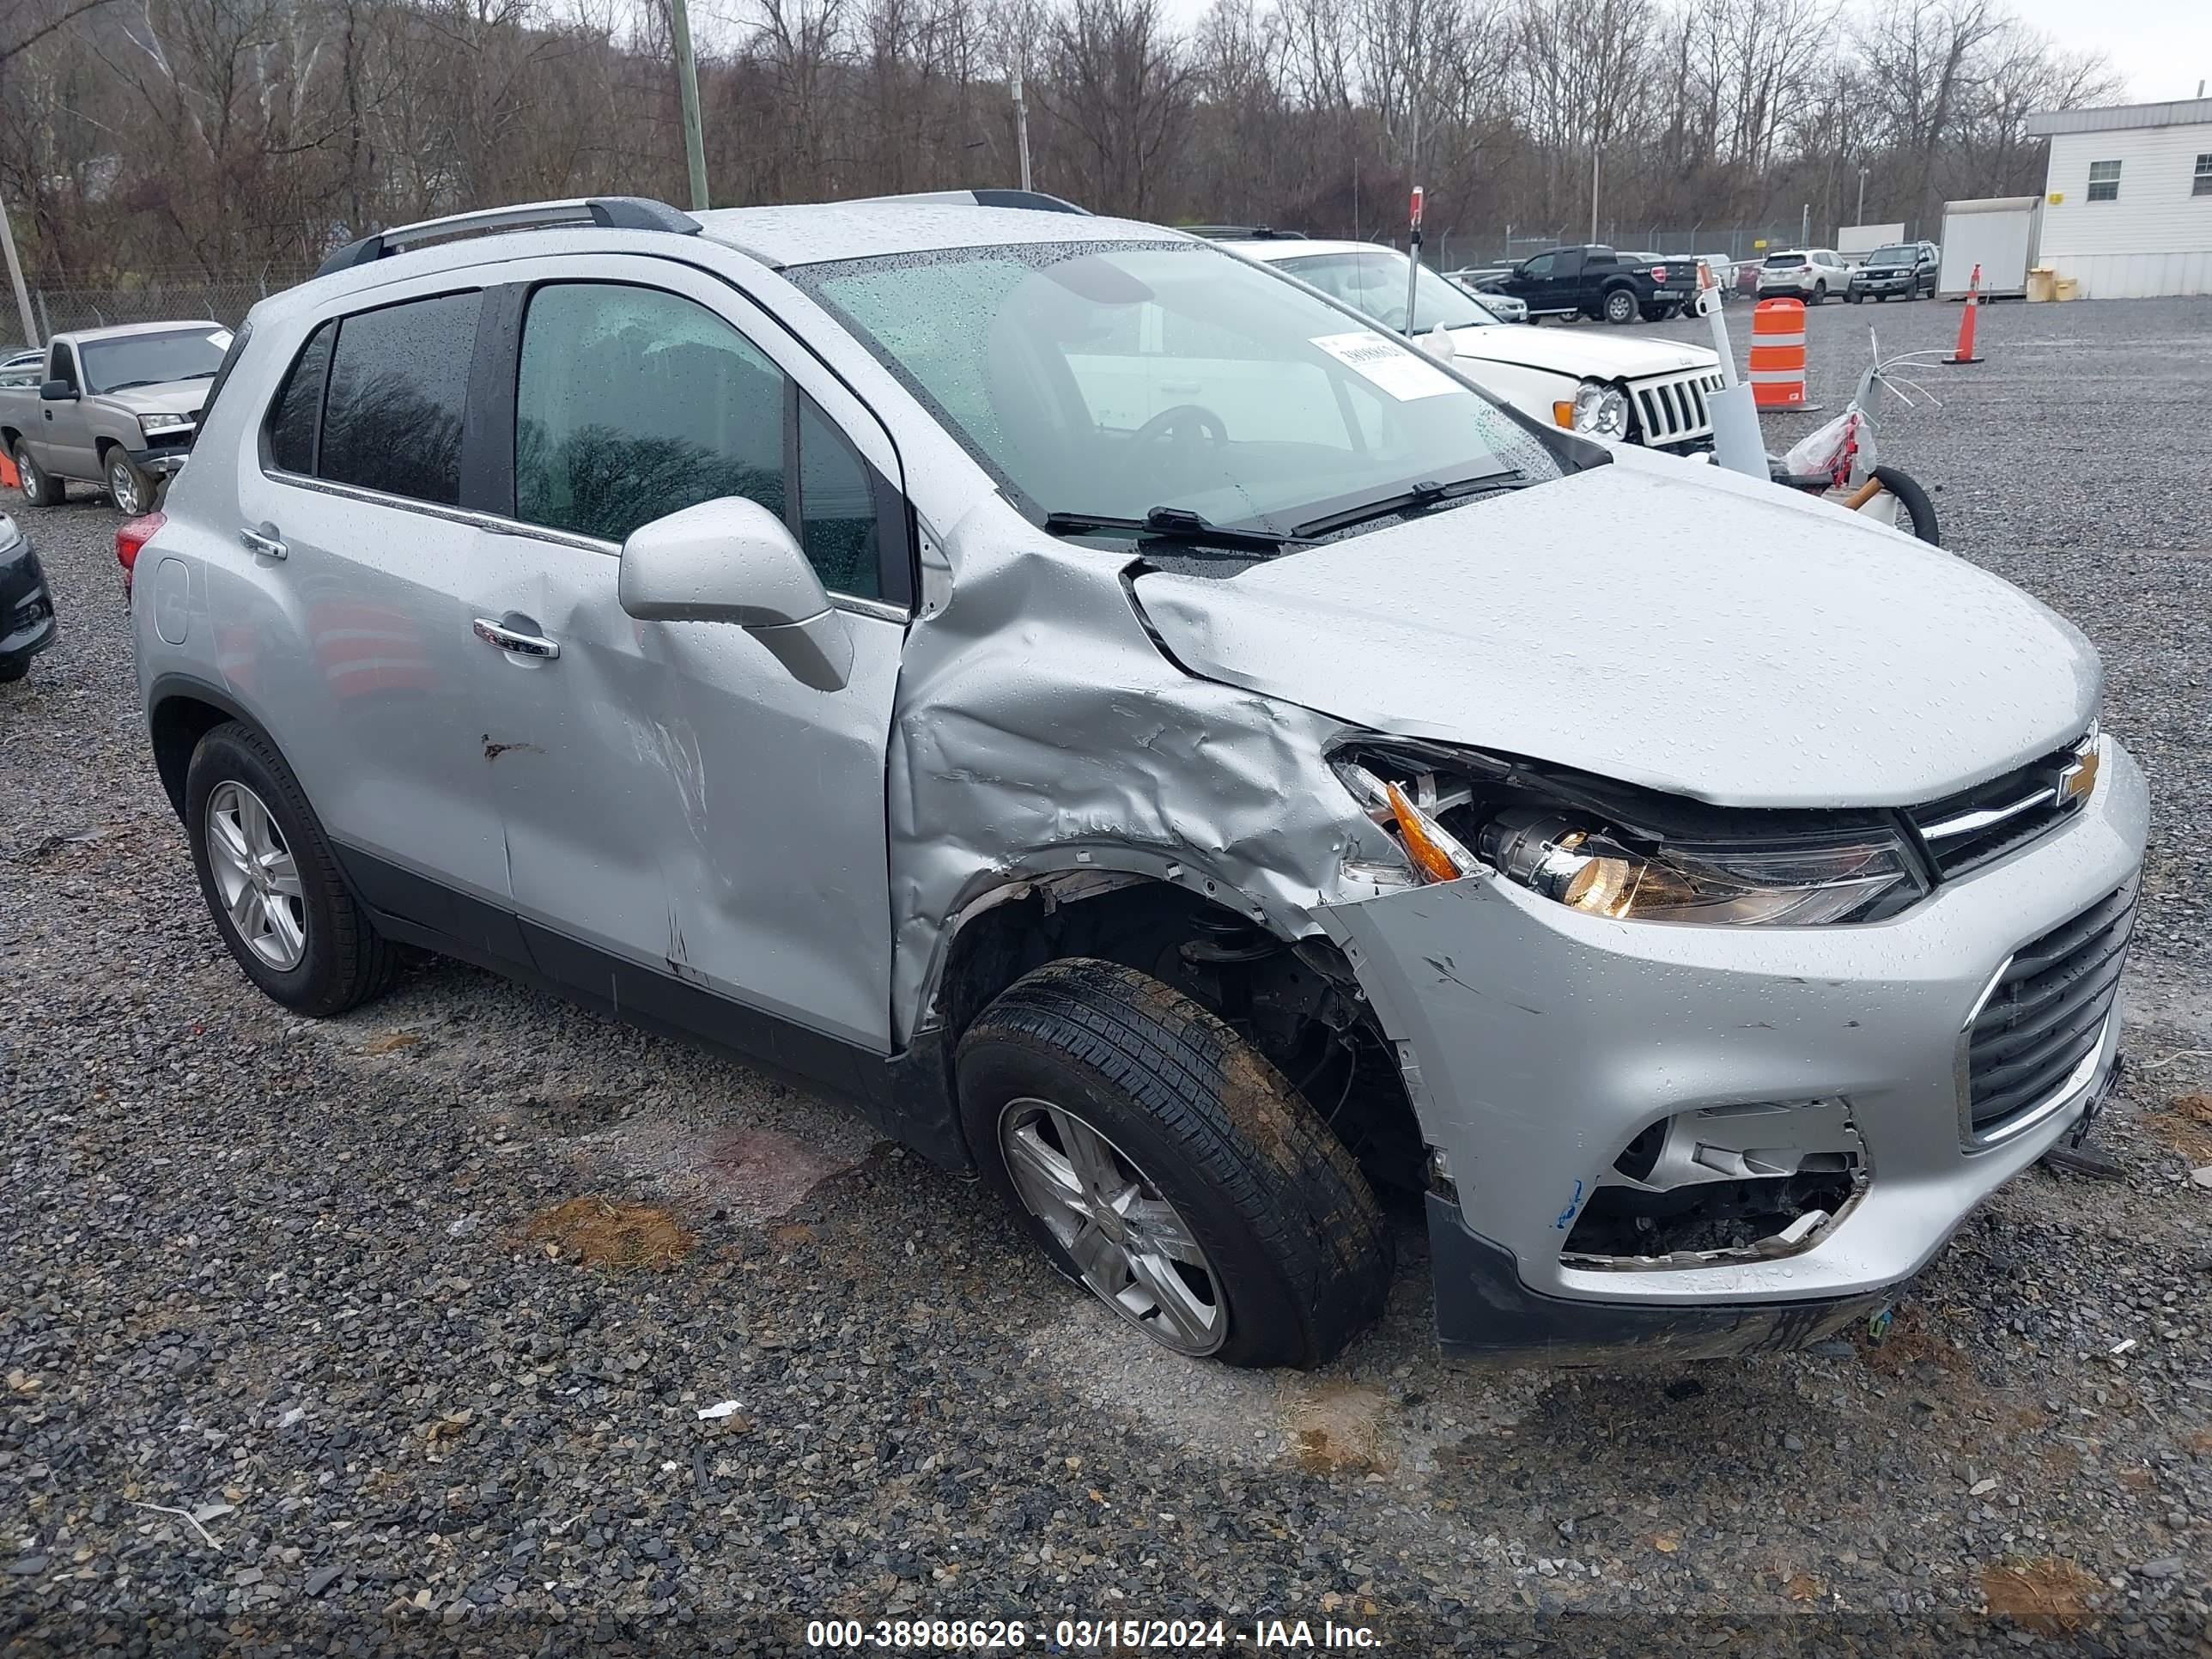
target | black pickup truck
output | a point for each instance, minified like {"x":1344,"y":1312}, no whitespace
{"x":1594,"y":280}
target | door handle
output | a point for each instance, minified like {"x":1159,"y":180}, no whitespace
{"x":521,"y":644}
{"x":263,"y":542}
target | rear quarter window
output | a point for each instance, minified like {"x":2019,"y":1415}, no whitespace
{"x":294,"y":417}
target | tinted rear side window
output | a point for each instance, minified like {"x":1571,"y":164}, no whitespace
{"x":398,"y":398}
{"x":299,"y":406}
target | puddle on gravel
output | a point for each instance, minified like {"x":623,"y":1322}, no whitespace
{"x":751,"y":1174}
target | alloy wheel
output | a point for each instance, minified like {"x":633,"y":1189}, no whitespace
{"x":256,"y":876}
{"x":26,"y":475}
{"x":1135,"y":1250}
{"x":123,"y":487}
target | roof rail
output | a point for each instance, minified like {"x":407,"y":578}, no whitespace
{"x":1243,"y":232}
{"x":987,"y":196}
{"x":607,"y":212}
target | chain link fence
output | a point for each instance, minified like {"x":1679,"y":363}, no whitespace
{"x":61,"y":304}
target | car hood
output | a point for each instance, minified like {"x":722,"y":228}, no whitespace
{"x":1662,"y":623}
{"x":167,"y":397}
{"x":1586,"y":356}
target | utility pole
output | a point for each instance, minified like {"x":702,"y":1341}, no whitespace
{"x":1805,"y":234}
{"x":1022,"y":127}
{"x":1593,"y":154}
{"x":31,"y":335}
{"x":687,"y":89}
{"x":1862,"y":173}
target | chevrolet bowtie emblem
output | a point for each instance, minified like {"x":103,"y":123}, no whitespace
{"x":2077,"y":780}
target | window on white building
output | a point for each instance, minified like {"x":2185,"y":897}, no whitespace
{"x":2104,"y":181}
{"x":2203,"y":185}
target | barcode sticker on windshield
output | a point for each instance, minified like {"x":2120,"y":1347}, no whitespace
{"x":1400,"y":371}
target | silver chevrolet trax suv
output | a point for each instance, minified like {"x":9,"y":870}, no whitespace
{"x":1147,"y":734}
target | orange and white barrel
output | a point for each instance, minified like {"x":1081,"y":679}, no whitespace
{"x":1777,"y":354}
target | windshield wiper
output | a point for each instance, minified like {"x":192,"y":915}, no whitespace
{"x":1173,"y":524}
{"x":1417,"y":498}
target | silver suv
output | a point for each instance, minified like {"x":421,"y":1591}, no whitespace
{"x":1146,"y":733}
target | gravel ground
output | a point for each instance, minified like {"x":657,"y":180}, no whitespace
{"x":309,"y":1343}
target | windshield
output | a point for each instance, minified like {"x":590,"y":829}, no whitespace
{"x":1892,"y":256}
{"x":149,"y":359}
{"x":1106,"y":380}
{"x":1373,"y":282}
{"x":1785,"y":260}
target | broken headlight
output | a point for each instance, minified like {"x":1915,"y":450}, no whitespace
{"x":1799,"y":881}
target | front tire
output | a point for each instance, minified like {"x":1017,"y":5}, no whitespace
{"x":1619,"y":306}
{"x":40,"y":489}
{"x":1819,"y":294}
{"x":271,"y":882}
{"x":1165,"y":1165}
{"x":130,"y":488}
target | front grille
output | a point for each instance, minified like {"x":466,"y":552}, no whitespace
{"x":1674,"y":409}
{"x":1976,"y":826}
{"x":2046,"y":1013}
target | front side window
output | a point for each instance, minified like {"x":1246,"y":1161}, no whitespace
{"x":2202,"y":184}
{"x":398,"y":398}
{"x":1541,"y":266}
{"x":1105,"y":380}
{"x":2104,"y":181}
{"x":153,"y":358}
{"x":65,"y":365}
{"x":631,"y":404}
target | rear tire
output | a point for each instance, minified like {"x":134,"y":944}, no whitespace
{"x":1918,"y":507}
{"x":341,"y":960}
{"x":40,"y":489}
{"x":14,"y":669}
{"x":1619,"y":306}
{"x":1819,"y":294}
{"x":1296,"y":1253}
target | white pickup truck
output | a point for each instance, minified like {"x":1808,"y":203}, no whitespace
{"x":118,"y":407}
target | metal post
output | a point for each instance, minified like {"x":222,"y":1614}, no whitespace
{"x":1022,"y":127}
{"x":1862,"y":173}
{"x":31,"y":336}
{"x":1413,"y":259}
{"x":1593,"y":154}
{"x":1805,"y":234}
{"x":687,"y":89}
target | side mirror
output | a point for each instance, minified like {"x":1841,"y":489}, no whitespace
{"x":733,"y":561}
{"x":1439,"y":344}
{"x":57,"y":392}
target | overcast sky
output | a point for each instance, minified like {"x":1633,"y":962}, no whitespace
{"x":2163,"y":47}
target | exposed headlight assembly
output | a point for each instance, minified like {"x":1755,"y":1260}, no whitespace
{"x":1601,"y":410}
{"x":1452,"y":827}
{"x":163,"y":422}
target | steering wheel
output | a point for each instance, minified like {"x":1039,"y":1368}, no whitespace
{"x":1183,"y":417}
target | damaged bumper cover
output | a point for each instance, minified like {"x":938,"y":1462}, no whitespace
{"x":1562,"y":1062}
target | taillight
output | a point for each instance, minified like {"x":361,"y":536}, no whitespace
{"x":131,"y":535}
{"x":1658,"y":273}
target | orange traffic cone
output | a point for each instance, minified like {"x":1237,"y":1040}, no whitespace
{"x":8,"y":471}
{"x":1965,"y":353}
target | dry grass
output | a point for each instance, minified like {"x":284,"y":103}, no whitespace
{"x":1340,"y":1431}
{"x":2042,"y":1593}
{"x":1906,"y":1347}
{"x":2186,"y":1125}
{"x":602,"y":1233}
{"x":387,"y":1042}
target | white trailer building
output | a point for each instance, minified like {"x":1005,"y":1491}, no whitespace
{"x":2127,"y":210}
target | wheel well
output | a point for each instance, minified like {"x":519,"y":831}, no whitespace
{"x":1297,"y":1002}
{"x":8,"y":435}
{"x":176,"y":726}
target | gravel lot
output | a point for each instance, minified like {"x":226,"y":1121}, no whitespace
{"x":328,"y":1289}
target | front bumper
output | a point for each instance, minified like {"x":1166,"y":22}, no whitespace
{"x":159,"y":463}
{"x":1537,"y":1041}
{"x":26,"y":605}
{"x":1881,"y":285}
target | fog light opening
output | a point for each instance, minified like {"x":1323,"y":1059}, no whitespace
{"x":1716,"y":1184}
